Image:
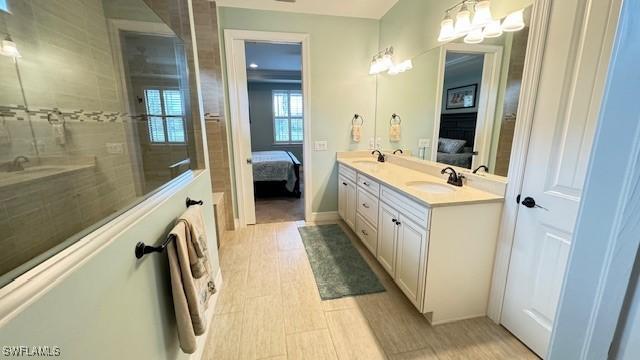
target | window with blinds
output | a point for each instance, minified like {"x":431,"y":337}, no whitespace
{"x":165,"y":114}
{"x":287,"y":116}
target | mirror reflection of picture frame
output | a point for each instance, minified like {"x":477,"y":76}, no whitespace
{"x":462,"y":97}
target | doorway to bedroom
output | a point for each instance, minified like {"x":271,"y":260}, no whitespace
{"x":276,"y":118}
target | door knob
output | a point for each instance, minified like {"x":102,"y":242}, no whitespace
{"x":249,"y":161}
{"x":531,"y":203}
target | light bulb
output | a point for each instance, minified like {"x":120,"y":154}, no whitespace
{"x":10,"y":49}
{"x":514,"y":21}
{"x":482,"y":15}
{"x":447,"y":32}
{"x":474,"y":37}
{"x":463,"y":21}
{"x":253,"y":65}
{"x":492,"y":29}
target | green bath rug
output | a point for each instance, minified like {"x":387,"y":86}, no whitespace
{"x":338,"y":267}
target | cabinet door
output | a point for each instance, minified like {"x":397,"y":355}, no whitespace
{"x":350,"y":205}
{"x":411,"y":259}
{"x":342,"y":197}
{"x":387,"y":236}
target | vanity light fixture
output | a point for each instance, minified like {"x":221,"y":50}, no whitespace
{"x":9,"y":48}
{"x":514,"y":21}
{"x":382,"y":61}
{"x":482,"y":26}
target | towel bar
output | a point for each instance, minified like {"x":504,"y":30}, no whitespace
{"x":142,"y":249}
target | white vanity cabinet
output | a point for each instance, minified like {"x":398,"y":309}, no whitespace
{"x":441,"y":257}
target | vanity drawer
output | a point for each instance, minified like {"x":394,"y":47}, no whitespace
{"x":367,"y":233}
{"x":407,"y":206}
{"x":368,"y":184}
{"x":367,"y":206}
{"x":347,"y":172}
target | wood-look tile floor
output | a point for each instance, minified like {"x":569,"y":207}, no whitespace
{"x":269,"y":308}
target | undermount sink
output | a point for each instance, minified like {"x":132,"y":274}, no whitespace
{"x":430,"y":187}
{"x":366,"y":162}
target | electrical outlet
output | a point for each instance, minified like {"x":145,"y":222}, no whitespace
{"x":115,"y":148}
{"x":423,"y":143}
{"x":320,"y":146}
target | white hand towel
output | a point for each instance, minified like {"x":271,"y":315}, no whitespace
{"x":59,"y":134}
{"x":394,"y":132}
{"x":356,"y":132}
{"x":5,"y":135}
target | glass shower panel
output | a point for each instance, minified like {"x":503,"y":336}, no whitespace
{"x":95,"y":116}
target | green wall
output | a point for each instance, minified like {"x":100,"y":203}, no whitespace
{"x":341,"y":49}
{"x":114,"y":306}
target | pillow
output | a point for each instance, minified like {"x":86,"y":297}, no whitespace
{"x":450,"y":146}
{"x":466,"y":150}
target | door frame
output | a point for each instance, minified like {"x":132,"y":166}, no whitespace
{"x":538,"y":28}
{"x":236,"y":83}
{"x":115,"y":28}
{"x":486,"y":99}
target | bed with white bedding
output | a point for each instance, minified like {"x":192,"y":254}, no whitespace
{"x":275,"y":172}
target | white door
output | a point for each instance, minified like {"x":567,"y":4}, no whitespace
{"x":246,"y":201}
{"x":410,"y":260}
{"x":569,"y":95}
{"x":387,"y":236}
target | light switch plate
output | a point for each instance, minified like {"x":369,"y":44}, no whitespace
{"x":320,"y":145}
{"x":424,"y":143}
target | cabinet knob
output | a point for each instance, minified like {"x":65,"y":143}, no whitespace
{"x":394,"y":221}
{"x":364,"y":205}
{"x":365,"y":183}
{"x":365,"y":233}
{"x":344,"y":183}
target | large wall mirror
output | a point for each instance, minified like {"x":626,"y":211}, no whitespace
{"x":458,"y":105}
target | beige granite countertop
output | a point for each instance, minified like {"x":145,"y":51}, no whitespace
{"x":396,"y":177}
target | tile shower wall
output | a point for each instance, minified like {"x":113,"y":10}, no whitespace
{"x":206,"y":25}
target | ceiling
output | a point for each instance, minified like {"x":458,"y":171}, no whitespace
{"x":281,"y":57}
{"x":373,"y":9}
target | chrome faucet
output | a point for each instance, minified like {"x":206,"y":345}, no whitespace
{"x":454,"y":178}
{"x":380,"y":156}
{"x":17,"y":163}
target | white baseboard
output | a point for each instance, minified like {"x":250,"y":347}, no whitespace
{"x":201,"y":341}
{"x":324,"y":216}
